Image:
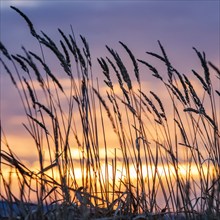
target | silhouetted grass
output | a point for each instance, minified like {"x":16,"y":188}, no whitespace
{"x":149,"y":173}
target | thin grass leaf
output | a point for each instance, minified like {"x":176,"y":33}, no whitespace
{"x":81,"y":60}
{"x":105,"y":71}
{"x":189,"y":109}
{"x":135,"y":64}
{"x":218,"y":92}
{"x":51,"y":45}
{"x":22,"y":64}
{"x":194,"y":94}
{"x":203,"y":61}
{"x":106,"y":108}
{"x":133,"y":111}
{"x":116,"y":71}
{"x":215,"y":68}
{"x":31,"y":93}
{"x":86,"y":50}
{"x":73,"y":50}
{"x":47,"y":70}
{"x":47,"y":168}
{"x":4,"y":51}
{"x":176,"y":92}
{"x":9,"y":72}
{"x":45,"y":109}
{"x":211,"y":121}
{"x":66,"y":53}
{"x":153,"y":69}
{"x":78,"y":55}
{"x":31,"y":133}
{"x":201,"y":112}
{"x":71,"y":47}
{"x":183,"y":85}
{"x":125,"y":92}
{"x":30,"y":62}
{"x":160,"y":104}
{"x":17,"y":164}
{"x":51,"y":191}
{"x":153,"y":107}
{"x":167,"y":62}
{"x":30,"y":25}
{"x":121,"y":67}
{"x":182,"y":131}
{"x":39,"y":123}
{"x":205,"y":86}
{"x":157,"y":56}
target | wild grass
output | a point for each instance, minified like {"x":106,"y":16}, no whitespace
{"x":161,"y":158}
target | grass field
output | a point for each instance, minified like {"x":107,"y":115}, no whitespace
{"x":112,"y":148}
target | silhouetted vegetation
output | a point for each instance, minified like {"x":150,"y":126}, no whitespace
{"x":172,"y":146}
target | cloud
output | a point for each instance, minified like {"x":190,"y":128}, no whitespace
{"x":20,"y":3}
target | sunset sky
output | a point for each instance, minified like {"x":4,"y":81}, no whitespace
{"x":179,"y":25}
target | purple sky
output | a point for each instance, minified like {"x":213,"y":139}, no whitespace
{"x":179,"y":25}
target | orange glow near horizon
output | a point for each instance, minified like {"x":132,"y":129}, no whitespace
{"x":148,"y":172}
